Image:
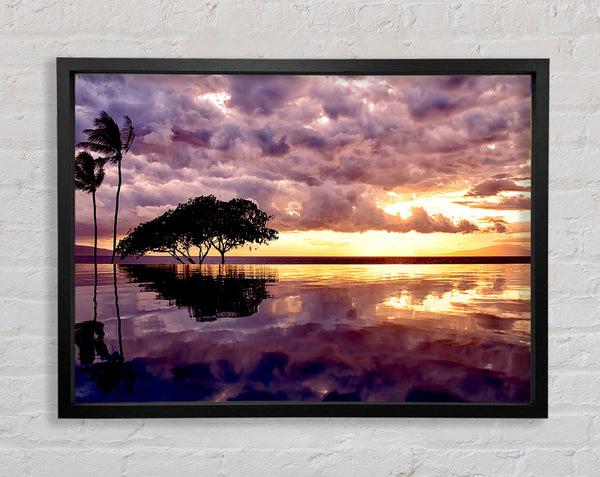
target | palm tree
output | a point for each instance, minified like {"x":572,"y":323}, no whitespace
{"x":89,"y":174}
{"x":112,"y":143}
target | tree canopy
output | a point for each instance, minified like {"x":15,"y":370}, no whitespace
{"x":203,"y":222}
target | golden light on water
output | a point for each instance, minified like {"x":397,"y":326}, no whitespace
{"x":455,"y":301}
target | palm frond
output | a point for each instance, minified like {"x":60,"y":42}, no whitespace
{"x":84,"y":172}
{"x":89,"y":172}
{"x":109,"y":156}
{"x":82,"y":186}
{"x":106,"y":132}
{"x":96,"y":147}
{"x":104,"y":121}
{"x":127,"y":134}
{"x":99,"y":136}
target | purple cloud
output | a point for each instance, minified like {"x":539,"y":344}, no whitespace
{"x":333,"y":145}
{"x":519,"y":202}
{"x":262,"y":94}
{"x":493,"y":187}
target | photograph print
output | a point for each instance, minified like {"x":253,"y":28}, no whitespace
{"x":302,"y":238}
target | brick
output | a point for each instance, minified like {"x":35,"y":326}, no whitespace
{"x":484,"y":16}
{"x":585,"y":49}
{"x":39,"y":16}
{"x":34,"y":354}
{"x":577,"y":351}
{"x":267,"y":17}
{"x":373,"y":461}
{"x":593,"y":128}
{"x":467,"y":462}
{"x":15,"y":461}
{"x":63,"y":461}
{"x":574,"y":167}
{"x":576,"y":389}
{"x":332,"y":16}
{"x":587,"y":461}
{"x":575,"y":131}
{"x":558,"y":431}
{"x":584,"y":97}
{"x":576,"y":279}
{"x":432,"y":16}
{"x":380,"y":17}
{"x":547,"y":462}
{"x":574,"y":313}
{"x":162,"y":461}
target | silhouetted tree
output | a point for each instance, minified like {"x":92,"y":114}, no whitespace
{"x":202,"y":222}
{"x":161,"y":234}
{"x":239,"y":222}
{"x":89,"y":174}
{"x":112,"y":143}
{"x":194,"y":221}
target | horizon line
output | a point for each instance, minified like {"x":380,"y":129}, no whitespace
{"x":308,"y":260}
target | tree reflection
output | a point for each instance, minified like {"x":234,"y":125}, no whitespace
{"x":208,"y":297}
{"x":110,"y":368}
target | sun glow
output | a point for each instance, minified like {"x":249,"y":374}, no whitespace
{"x":445,"y":202}
{"x":217,"y":99}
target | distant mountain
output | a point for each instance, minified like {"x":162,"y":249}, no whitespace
{"x":493,"y":251}
{"x":85,"y":254}
{"x":85,"y":251}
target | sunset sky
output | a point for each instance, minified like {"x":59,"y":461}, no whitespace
{"x":362,"y":166}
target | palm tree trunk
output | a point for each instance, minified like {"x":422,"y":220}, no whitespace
{"x":95,"y":236}
{"x":95,"y":257}
{"x":112,"y":260}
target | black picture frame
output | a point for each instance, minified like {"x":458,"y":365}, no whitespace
{"x":67,"y":68}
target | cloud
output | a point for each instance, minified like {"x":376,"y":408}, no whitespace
{"x":421,"y":221}
{"x":328,"y":208}
{"x":199,"y":138}
{"x":268,"y":145}
{"x":333,"y":145}
{"x":494,"y":186}
{"x":485,"y":126}
{"x":224,"y":137}
{"x":262,"y":95}
{"x":519,"y":202}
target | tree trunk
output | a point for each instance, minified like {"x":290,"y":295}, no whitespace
{"x":95,"y":256}
{"x":112,"y":260}
{"x":222,"y":257}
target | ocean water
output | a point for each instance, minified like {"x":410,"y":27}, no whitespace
{"x":308,"y":332}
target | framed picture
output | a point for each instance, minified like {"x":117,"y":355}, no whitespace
{"x":302,"y":237}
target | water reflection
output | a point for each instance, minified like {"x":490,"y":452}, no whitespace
{"x":208,"y":292}
{"x":105,"y":369}
{"x":392,"y":333}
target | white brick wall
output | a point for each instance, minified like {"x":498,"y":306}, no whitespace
{"x":33,"y":33}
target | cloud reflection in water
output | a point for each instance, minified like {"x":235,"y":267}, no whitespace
{"x":391,"y":333}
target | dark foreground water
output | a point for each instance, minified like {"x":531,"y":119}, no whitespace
{"x":392,"y":333}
